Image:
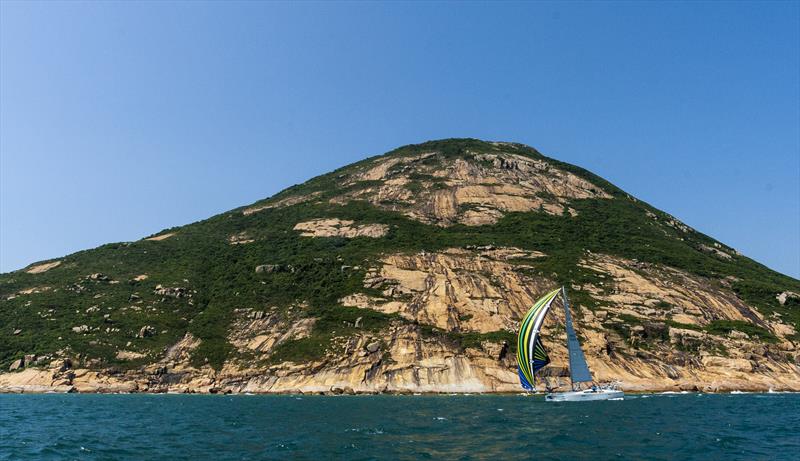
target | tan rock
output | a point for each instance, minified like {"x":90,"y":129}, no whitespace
{"x":454,"y":289}
{"x":16,"y":365}
{"x":129,"y":355}
{"x":161,"y":237}
{"x":44,"y":267}
{"x":727,"y":364}
{"x":686,"y":319}
{"x":635,"y":285}
{"x":340,"y":228}
{"x":785,"y":296}
{"x":472,"y":192}
{"x":288,"y":201}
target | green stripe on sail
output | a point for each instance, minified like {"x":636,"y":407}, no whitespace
{"x":528,"y":335}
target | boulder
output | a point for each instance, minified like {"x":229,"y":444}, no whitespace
{"x":686,"y":338}
{"x":81,"y":329}
{"x":98,"y":277}
{"x":146,"y":331}
{"x":256,"y":315}
{"x":16,"y":332}
{"x":736,"y":334}
{"x":268,"y":268}
{"x":17,"y":364}
{"x":373,"y":347}
{"x":171,"y":292}
{"x":786,"y":296}
{"x":29,"y":359}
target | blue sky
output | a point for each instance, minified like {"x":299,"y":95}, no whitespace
{"x":121,"y":119}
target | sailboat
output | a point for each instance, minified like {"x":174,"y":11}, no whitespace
{"x":532,"y":356}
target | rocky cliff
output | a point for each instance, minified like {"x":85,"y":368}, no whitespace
{"x":406,"y":272}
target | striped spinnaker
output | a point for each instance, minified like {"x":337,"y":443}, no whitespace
{"x":531,"y":355}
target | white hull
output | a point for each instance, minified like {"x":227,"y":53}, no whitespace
{"x":585,"y":395}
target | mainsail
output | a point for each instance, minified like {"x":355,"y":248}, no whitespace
{"x":531,"y":355}
{"x":578,"y":370}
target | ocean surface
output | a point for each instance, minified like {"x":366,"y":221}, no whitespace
{"x":215,"y":427}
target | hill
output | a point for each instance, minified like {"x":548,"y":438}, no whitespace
{"x":404,"y":272}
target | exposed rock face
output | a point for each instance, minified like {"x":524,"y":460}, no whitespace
{"x":660,"y":293}
{"x":241,"y":238}
{"x":259,"y":331}
{"x":39,"y":268}
{"x":472,"y":193}
{"x":272,"y":268}
{"x":289,"y":201}
{"x":454,"y":290}
{"x":406,"y":273}
{"x":340,"y":228}
{"x":161,"y":237}
{"x":716,"y":250}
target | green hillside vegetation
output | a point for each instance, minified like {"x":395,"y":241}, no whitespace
{"x":220,"y":277}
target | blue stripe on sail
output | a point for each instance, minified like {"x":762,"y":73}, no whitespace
{"x":539,"y":364}
{"x":524,"y":381}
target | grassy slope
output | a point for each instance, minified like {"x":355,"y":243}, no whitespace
{"x":200,"y":258}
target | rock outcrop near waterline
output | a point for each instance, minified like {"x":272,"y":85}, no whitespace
{"x":407,"y":272}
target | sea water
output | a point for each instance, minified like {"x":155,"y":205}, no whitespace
{"x":215,"y":427}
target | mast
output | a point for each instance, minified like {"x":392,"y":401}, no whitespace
{"x":578,"y":369}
